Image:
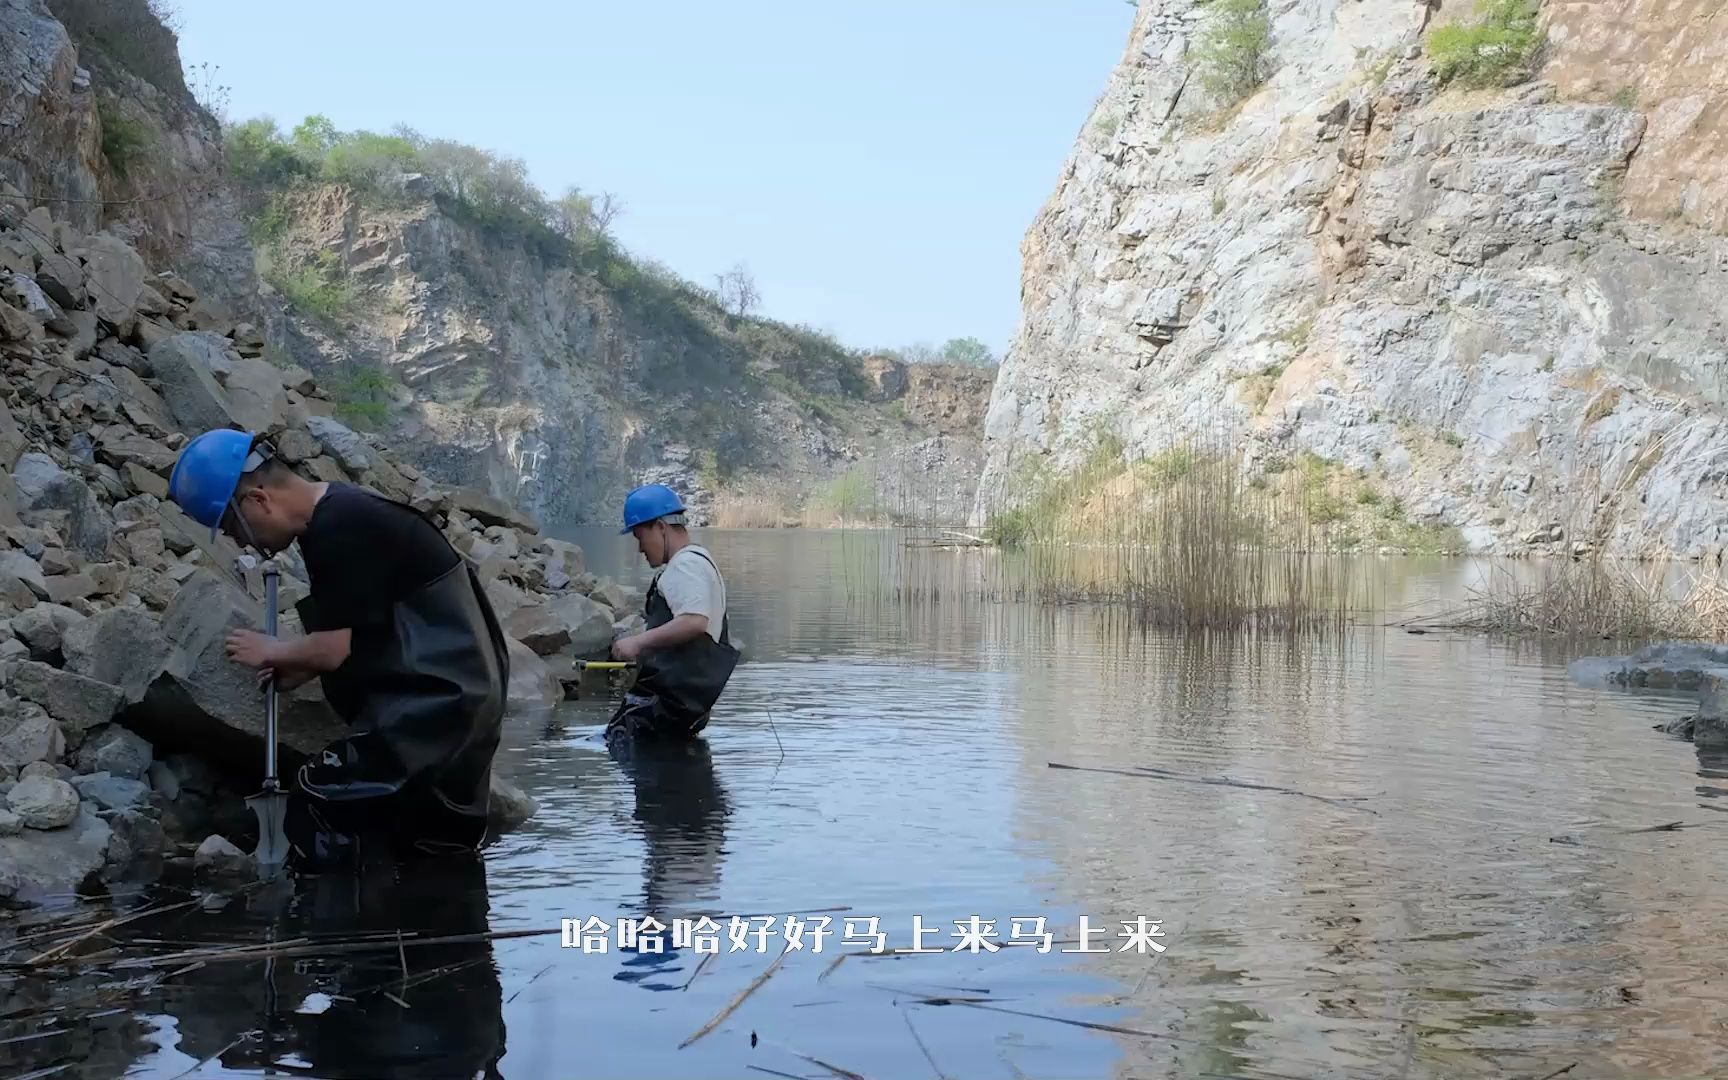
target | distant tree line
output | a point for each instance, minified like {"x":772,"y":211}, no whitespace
{"x":965,"y":351}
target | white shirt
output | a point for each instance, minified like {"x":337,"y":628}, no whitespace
{"x":693,"y":586}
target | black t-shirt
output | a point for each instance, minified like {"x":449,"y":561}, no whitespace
{"x":363,"y":554}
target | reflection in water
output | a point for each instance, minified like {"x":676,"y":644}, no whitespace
{"x":681,"y":809}
{"x":431,"y":1010}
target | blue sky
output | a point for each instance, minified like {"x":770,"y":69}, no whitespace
{"x":874,"y":162}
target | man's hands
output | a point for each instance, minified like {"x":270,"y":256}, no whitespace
{"x":627,"y":649}
{"x":251,"y":649}
{"x":683,"y":628}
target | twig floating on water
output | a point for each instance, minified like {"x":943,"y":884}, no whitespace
{"x":935,"y":1068}
{"x":396,"y":999}
{"x":530,"y":982}
{"x":1672,"y":826}
{"x":829,"y":970}
{"x":698,"y":971}
{"x":1148,"y":773}
{"x":739,"y":1000}
{"x":1559,"y":1072}
{"x":774,"y":1072}
{"x":44,"y":957}
{"x":845,"y":1074}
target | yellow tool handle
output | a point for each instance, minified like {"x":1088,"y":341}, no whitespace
{"x":605,"y":665}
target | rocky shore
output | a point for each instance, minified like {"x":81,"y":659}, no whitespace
{"x":126,"y":737}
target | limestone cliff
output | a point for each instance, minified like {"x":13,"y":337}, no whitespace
{"x":1505,"y":305}
{"x":559,"y":385}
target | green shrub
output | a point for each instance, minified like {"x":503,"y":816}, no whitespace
{"x":363,"y":398}
{"x":1498,"y":48}
{"x":1009,"y":530}
{"x":124,"y":140}
{"x":1234,"y":51}
{"x":317,"y":289}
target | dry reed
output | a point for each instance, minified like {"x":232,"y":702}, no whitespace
{"x":1598,"y":597}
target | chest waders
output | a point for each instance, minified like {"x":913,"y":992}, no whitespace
{"x":675,"y":687}
{"x":424,"y":698}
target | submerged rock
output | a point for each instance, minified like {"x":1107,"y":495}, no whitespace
{"x":533,"y":687}
{"x":509,"y":806}
{"x":218,"y":860}
{"x":45,"y":863}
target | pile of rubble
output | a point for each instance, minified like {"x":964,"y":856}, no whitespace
{"x":126,"y":736}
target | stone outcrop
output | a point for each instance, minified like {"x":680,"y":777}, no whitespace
{"x":1504,"y":306}
{"x":130,"y":733}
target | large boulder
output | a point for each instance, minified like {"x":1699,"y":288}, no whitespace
{"x":44,"y":864}
{"x":45,"y":490}
{"x":1710,"y":724}
{"x":119,"y":448}
{"x":255,"y":396}
{"x":296,"y":445}
{"x":509,"y":805}
{"x":564,"y":556}
{"x":533,"y":687}
{"x":44,"y":627}
{"x":116,"y":276}
{"x":79,"y":703}
{"x":142,"y":405}
{"x":491,"y":510}
{"x":186,"y":365}
{"x":123,"y":647}
{"x":341,"y":443}
{"x":535,"y":626}
{"x":1671,"y":665}
{"x":110,"y":792}
{"x":203,"y":702}
{"x":116,"y":751}
{"x":12,"y":440}
{"x":43,"y":803}
{"x":589,"y":624}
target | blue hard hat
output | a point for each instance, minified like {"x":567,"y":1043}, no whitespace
{"x":649,"y":502}
{"x":207,"y":472}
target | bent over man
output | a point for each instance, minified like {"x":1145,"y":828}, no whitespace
{"x":685,"y":656}
{"x":399,"y":631}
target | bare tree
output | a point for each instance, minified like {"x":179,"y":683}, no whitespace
{"x":605,"y":209}
{"x":736,"y":289}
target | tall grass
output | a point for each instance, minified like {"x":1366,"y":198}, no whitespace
{"x":1186,"y":538}
{"x":1594,"y":597}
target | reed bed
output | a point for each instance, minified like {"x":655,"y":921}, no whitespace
{"x":1601,"y":598}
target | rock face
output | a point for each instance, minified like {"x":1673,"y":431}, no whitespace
{"x":41,"y":803}
{"x":1505,"y":305}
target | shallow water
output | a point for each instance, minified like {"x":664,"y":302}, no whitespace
{"x":1447,"y":886}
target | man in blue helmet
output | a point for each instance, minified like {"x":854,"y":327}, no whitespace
{"x":399,"y":631}
{"x":685,"y":656}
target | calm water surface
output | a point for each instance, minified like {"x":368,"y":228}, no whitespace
{"x":1466,"y":896}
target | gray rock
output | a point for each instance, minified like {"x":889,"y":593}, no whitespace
{"x":200,"y":695}
{"x":186,"y":365}
{"x":341,"y":443}
{"x":12,"y":441}
{"x":27,"y":571}
{"x":193,"y":774}
{"x":28,"y":734}
{"x":78,"y":703}
{"x":589,"y":625}
{"x":295,"y":446}
{"x":219,"y":860}
{"x":116,"y":276}
{"x":42,"y":803}
{"x":57,"y":862}
{"x":490,"y":510}
{"x":297,"y":379}
{"x":145,"y":482}
{"x":564,"y":556}
{"x":44,"y":627}
{"x":537,"y":627}
{"x":164,"y":780}
{"x":122,"y":647}
{"x":44,"y":769}
{"x":10,"y":824}
{"x":36,"y":302}
{"x":79,"y":328}
{"x":115,"y":750}
{"x":110,"y":792}
{"x":44,"y":489}
{"x":533,"y":687}
{"x":509,"y":805}
{"x":141,"y":830}
{"x":143,"y":407}
{"x":612,"y":595}
{"x":117,"y":448}
{"x":1667,"y":666}
{"x":70,"y":587}
{"x":121,"y":355}
{"x":255,"y":396}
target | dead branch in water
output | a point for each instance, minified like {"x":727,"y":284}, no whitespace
{"x":739,"y":1000}
{"x":1147,"y":773}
